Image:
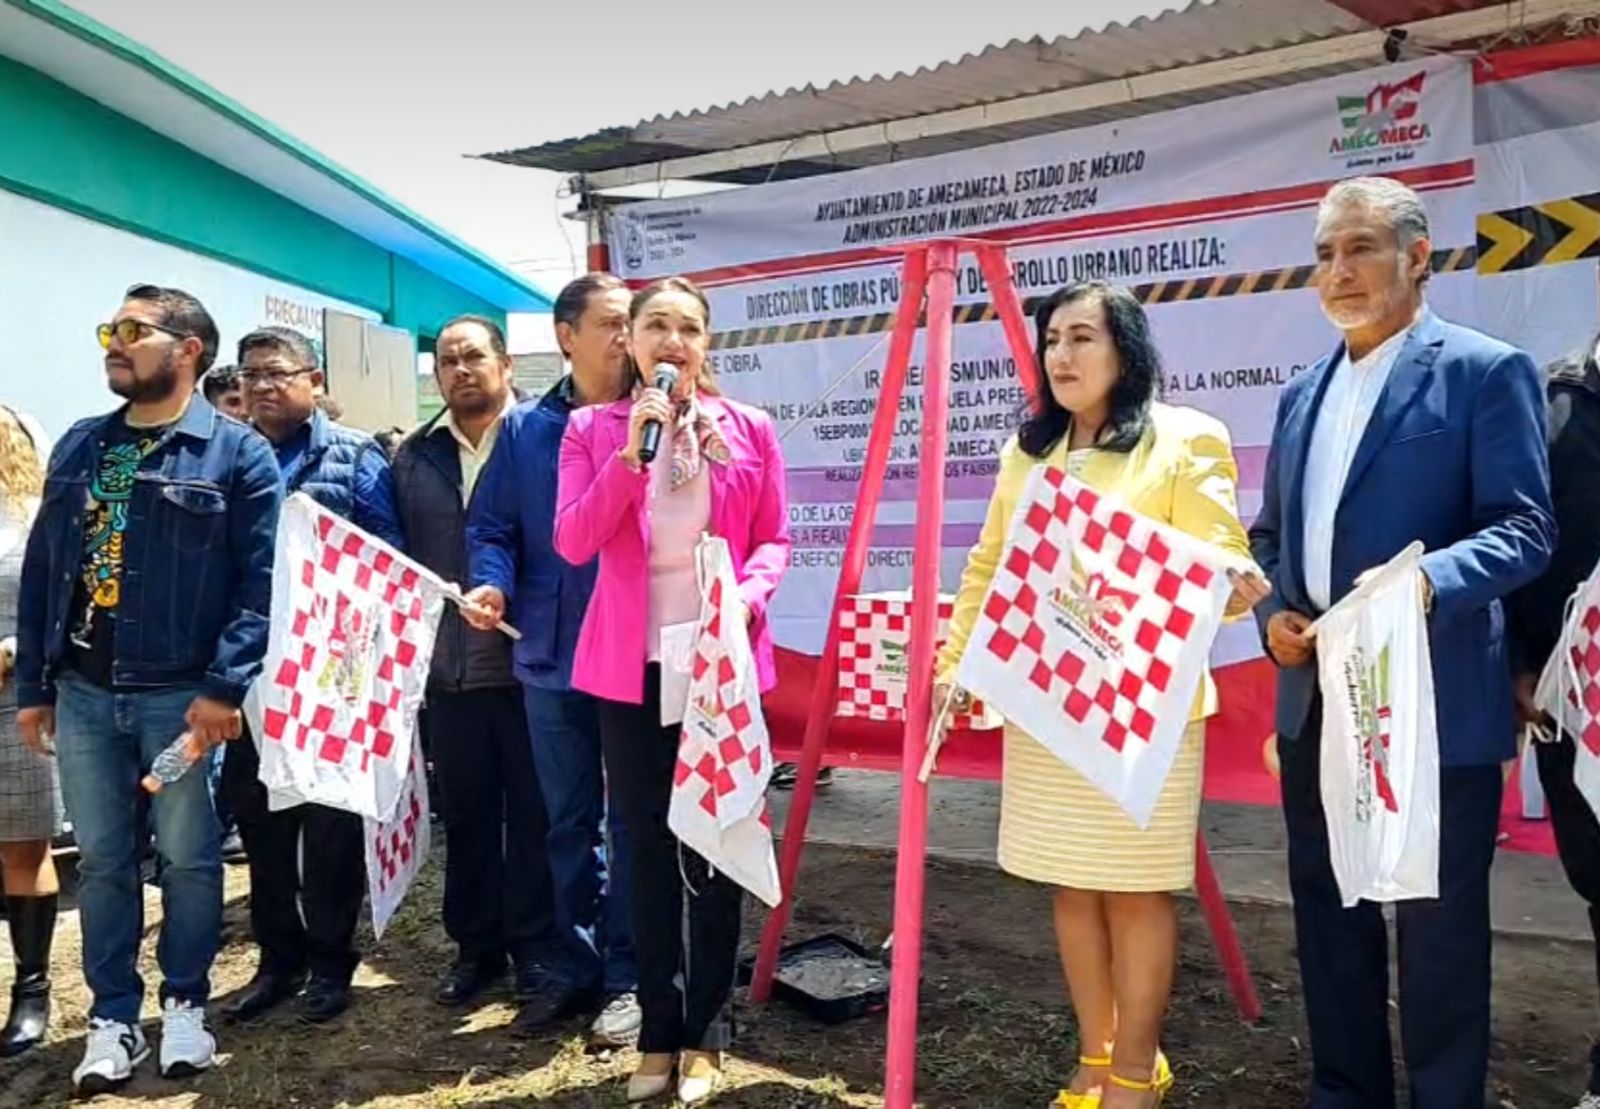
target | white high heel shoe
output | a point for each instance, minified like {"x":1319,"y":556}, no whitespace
{"x":652,"y":1078}
{"x":699,"y":1076}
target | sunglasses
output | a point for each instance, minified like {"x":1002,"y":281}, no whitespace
{"x":130,"y":331}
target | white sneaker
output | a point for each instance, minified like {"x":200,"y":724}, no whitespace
{"x":112,"y":1052}
{"x":1590,"y":1101}
{"x":187,"y":1047}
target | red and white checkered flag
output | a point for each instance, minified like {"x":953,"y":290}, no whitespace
{"x":1095,"y":633}
{"x":353,"y":623}
{"x":874,"y":653}
{"x":397,"y":848}
{"x":1569,"y":689}
{"x":718,"y":805}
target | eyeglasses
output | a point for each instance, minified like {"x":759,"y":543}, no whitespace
{"x":130,"y":331}
{"x":275,"y":377}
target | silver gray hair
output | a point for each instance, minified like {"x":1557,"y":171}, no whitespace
{"x":1399,"y":204}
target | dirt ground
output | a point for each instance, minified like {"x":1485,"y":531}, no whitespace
{"x":995,"y":1027}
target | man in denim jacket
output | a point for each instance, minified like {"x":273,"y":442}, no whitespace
{"x":143,"y":615}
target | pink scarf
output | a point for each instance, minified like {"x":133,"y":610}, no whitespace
{"x":694,"y":438}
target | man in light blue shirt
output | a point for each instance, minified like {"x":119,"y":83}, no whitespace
{"x":1347,"y":408}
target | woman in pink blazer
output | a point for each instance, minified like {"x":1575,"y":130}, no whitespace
{"x":717,"y":470}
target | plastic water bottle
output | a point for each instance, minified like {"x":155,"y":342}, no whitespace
{"x":173,"y":763}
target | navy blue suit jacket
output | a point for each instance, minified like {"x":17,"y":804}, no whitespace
{"x":1455,"y":457}
{"x":509,"y":540}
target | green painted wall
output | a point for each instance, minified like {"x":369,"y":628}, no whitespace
{"x":66,"y":150}
{"x":423,"y":301}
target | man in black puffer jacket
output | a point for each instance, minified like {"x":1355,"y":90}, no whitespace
{"x":308,"y":863}
{"x":1536,"y":614}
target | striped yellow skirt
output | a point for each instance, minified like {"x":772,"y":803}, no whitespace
{"x":1057,"y":828}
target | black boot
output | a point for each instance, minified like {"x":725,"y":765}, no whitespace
{"x":33,"y":925}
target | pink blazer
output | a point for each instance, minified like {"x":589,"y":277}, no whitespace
{"x":601,"y":509}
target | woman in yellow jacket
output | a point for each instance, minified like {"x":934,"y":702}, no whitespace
{"x":1116,"y":923}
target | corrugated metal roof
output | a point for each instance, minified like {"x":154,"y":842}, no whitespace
{"x":1387,"y":13}
{"x":1201,"y":31}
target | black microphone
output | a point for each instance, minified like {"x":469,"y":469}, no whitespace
{"x":666,"y":380}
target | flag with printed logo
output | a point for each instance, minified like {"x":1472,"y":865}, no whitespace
{"x":334,"y":712}
{"x":397,"y":848}
{"x":874,"y":652}
{"x":1569,"y":688}
{"x":718,"y":806}
{"x":1094,"y":635}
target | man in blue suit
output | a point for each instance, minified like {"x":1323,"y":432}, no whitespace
{"x":1411,"y":429}
{"x":513,"y":566}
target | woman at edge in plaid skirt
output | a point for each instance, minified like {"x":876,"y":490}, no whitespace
{"x":1096,"y":417}
{"x":30,"y":798}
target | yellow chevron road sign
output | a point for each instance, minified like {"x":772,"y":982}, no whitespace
{"x":1539,"y":234}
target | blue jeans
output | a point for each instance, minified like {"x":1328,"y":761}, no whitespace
{"x":594,"y":944}
{"x":219,"y":796}
{"x":105,"y":742}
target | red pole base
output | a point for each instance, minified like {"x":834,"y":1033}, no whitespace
{"x":913,"y":279}
{"x":1223,"y":934}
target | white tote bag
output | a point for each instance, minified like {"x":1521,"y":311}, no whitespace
{"x":1380,"y":739}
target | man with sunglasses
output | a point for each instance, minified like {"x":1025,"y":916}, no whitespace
{"x":143,"y":615}
{"x":308,"y":862}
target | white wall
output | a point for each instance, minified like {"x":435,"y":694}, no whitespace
{"x":62,"y":274}
{"x":531,"y":333}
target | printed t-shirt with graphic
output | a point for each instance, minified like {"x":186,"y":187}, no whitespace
{"x":98,"y":593}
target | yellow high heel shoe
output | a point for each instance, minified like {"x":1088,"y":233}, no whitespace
{"x":1160,"y":1083}
{"x":1066,"y":1099}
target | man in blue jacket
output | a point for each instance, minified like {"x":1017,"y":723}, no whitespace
{"x":143,"y":614}
{"x":308,"y":864}
{"x":1412,"y":429}
{"x":514,"y":566}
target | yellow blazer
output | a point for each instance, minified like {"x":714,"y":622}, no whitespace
{"x":1182,"y":473}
